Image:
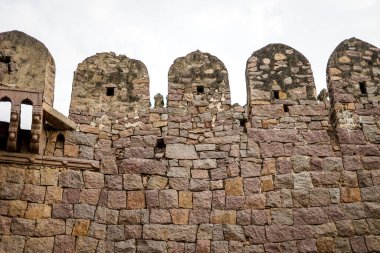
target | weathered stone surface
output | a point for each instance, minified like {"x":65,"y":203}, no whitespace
{"x":84,"y":244}
{"x":256,"y":234}
{"x":81,"y":227}
{"x":185,"y":233}
{"x":202,"y":200}
{"x":93,"y":179}
{"x":300,"y":163}
{"x":168,"y":199}
{"x":71,"y":179}
{"x":146,"y":246}
{"x":273,"y":135}
{"x":250,"y":169}
{"x":136,"y":200}
{"x":64,"y":244}
{"x":223,"y":217}
{"x":37,"y":211}
{"x":312,"y":215}
{"x":180,"y":151}
{"x":117,"y":199}
{"x":142,"y":166}
{"x":50,"y":227}
{"x":234,"y":186}
{"x":12,"y":243}
{"x":20,"y":226}
{"x":285,"y":173}
{"x":43,"y":245}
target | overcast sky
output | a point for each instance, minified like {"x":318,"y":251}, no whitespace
{"x":157,"y":32}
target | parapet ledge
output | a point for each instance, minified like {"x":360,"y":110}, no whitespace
{"x":56,"y":119}
{"x":31,"y":159}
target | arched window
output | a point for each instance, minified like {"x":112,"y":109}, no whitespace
{"x":23,"y":137}
{"x":59,"y":144}
{"x":26,"y":114}
{"x":5,"y":116}
{"x":5,"y":109}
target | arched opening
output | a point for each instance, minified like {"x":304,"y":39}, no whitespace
{"x":59,"y":144}
{"x":25,"y":125}
{"x":5,"y":117}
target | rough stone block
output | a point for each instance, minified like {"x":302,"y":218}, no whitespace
{"x":223,"y":217}
{"x":250,"y":169}
{"x":85,"y":244}
{"x":300,"y":163}
{"x":202,"y":200}
{"x":133,"y":231}
{"x":168,"y":199}
{"x":251,"y":186}
{"x":10,"y":190}
{"x":256,"y":234}
{"x":71,"y":179}
{"x":84,"y":211}
{"x":63,"y":211}
{"x":89,"y":196}
{"x":16,"y":208}
{"x":49,"y":176}
{"x":96,"y":230}
{"x":53,"y":194}
{"x":64,"y":244}
{"x":37,"y":211}
{"x":50,"y":227}
{"x":255,"y":201}
{"x":145,"y":246}
{"x":161,"y":216}
{"x":115,"y":233}
{"x":71,"y":196}
{"x":117,"y":199}
{"x":349,"y":195}
{"x":185,"y":233}
{"x":312,"y":216}
{"x":43,"y":245}
{"x":142,"y":166}
{"x":20,"y":226}
{"x":234,"y":186}
{"x":180,"y":151}
{"x":185,"y":199}
{"x":135,"y":200}
{"x":93,"y":179}
{"x":199,"y":216}
{"x":179,"y":216}
{"x":157,"y":182}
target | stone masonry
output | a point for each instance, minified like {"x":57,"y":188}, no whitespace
{"x":285,"y":173}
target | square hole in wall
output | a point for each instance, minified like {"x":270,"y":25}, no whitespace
{"x":200,"y":89}
{"x":363,"y":88}
{"x":286,"y":108}
{"x":110,"y":91}
{"x":5,"y":59}
{"x":276,"y":94}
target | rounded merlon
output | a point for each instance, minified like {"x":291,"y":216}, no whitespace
{"x":26,"y":64}
{"x":107,"y":82}
{"x":279,"y":72}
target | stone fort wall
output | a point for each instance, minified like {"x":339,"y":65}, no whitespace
{"x":286,"y":173}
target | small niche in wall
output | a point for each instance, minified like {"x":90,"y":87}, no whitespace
{"x":5,"y":59}
{"x":363,"y":88}
{"x":242,"y":122}
{"x":200,"y":89}
{"x":160,"y":144}
{"x":110,"y":91}
{"x":276,"y":94}
{"x":59,"y":144}
{"x":286,"y":108}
